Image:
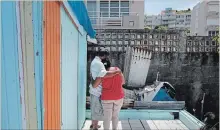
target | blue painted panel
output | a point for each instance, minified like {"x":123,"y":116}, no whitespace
{"x":69,"y":68}
{"x":162,"y":96}
{"x":82,"y":74}
{"x":38,"y":58}
{"x":11,"y":104}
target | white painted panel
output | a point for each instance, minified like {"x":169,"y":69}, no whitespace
{"x":139,"y":66}
{"x":21,"y":72}
{"x":69,"y":70}
{"x":161,"y":124}
{"x":173,"y":125}
{"x":152,"y":125}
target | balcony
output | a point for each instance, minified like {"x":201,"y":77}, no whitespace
{"x":99,"y":21}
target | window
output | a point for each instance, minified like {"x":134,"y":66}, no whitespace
{"x":104,"y":8}
{"x":124,"y":7}
{"x":114,"y":8}
{"x":114,"y":4}
{"x":91,"y":7}
{"x":114,"y":42}
{"x":145,"y":42}
{"x":213,"y":43}
{"x":213,"y":33}
{"x":207,"y":43}
{"x":104,"y":4}
{"x":210,"y":33}
{"x":131,"y":23}
{"x":126,"y":42}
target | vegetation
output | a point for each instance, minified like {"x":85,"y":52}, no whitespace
{"x":216,"y":38}
{"x":147,"y":28}
{"x":183,"y":11}
{"x":161,"y":28}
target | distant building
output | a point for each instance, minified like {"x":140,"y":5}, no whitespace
{"x":116,"y":14}
{"x":172,"y":19}
{"x":205,"y":18}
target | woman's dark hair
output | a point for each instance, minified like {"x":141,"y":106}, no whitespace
{"x":106,"y":63}
{"x":103,"y":53}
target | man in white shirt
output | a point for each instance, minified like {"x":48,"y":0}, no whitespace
{"x":97,"y":70}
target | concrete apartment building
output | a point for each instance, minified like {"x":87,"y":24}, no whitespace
{"x":205,"y":18}
{"x":116,"y":14}
{"x":170,"y":18}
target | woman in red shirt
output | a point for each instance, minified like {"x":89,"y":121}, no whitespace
{"x":112,"y":96}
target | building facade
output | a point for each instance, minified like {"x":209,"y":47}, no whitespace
{"x":205,"y":18}
{"x":170,"y":18}
{"x":116,"y":14}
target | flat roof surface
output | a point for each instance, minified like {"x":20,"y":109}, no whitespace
{"x":144,"y":125}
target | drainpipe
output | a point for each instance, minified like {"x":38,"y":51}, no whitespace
{"x":202,"y":105}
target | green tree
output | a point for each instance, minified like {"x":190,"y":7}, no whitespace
{"x":147,"y":28}
{"x":161,"y":28}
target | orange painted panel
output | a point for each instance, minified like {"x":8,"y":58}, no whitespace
{"x":52,"y":46}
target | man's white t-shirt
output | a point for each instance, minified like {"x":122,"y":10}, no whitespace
{"x":97,"y":69}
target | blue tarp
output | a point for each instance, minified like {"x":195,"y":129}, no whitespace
{"x":79,"y":8}
{"x":162,"y":95}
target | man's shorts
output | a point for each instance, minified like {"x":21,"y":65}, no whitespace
{"x":96,"y":108}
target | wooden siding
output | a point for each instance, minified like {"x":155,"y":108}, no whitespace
{"x":38,"y":58}
{"x":28,"y":60}
{"x":82,"y":76}
{"x":69,"y":72}
{"x":52,"y":40}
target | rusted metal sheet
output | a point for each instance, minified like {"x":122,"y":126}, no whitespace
{"x":52,"y":40}
{"x":28,"y":60}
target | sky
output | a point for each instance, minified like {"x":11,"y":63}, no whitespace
{"x":154,"y":7}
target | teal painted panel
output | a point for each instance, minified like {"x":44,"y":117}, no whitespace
{"x":82,"y":74}
{"x":190,"y":121}
{"x":38,"y":58}
{"x":10,"y":90}
{"x":69,"y":70}
{"x":142,"y":114}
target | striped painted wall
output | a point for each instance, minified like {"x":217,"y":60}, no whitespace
{"x":43,"y":54}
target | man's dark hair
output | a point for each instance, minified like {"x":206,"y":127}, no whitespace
{"x":103,"y":53}
{"x":106,"y":63}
